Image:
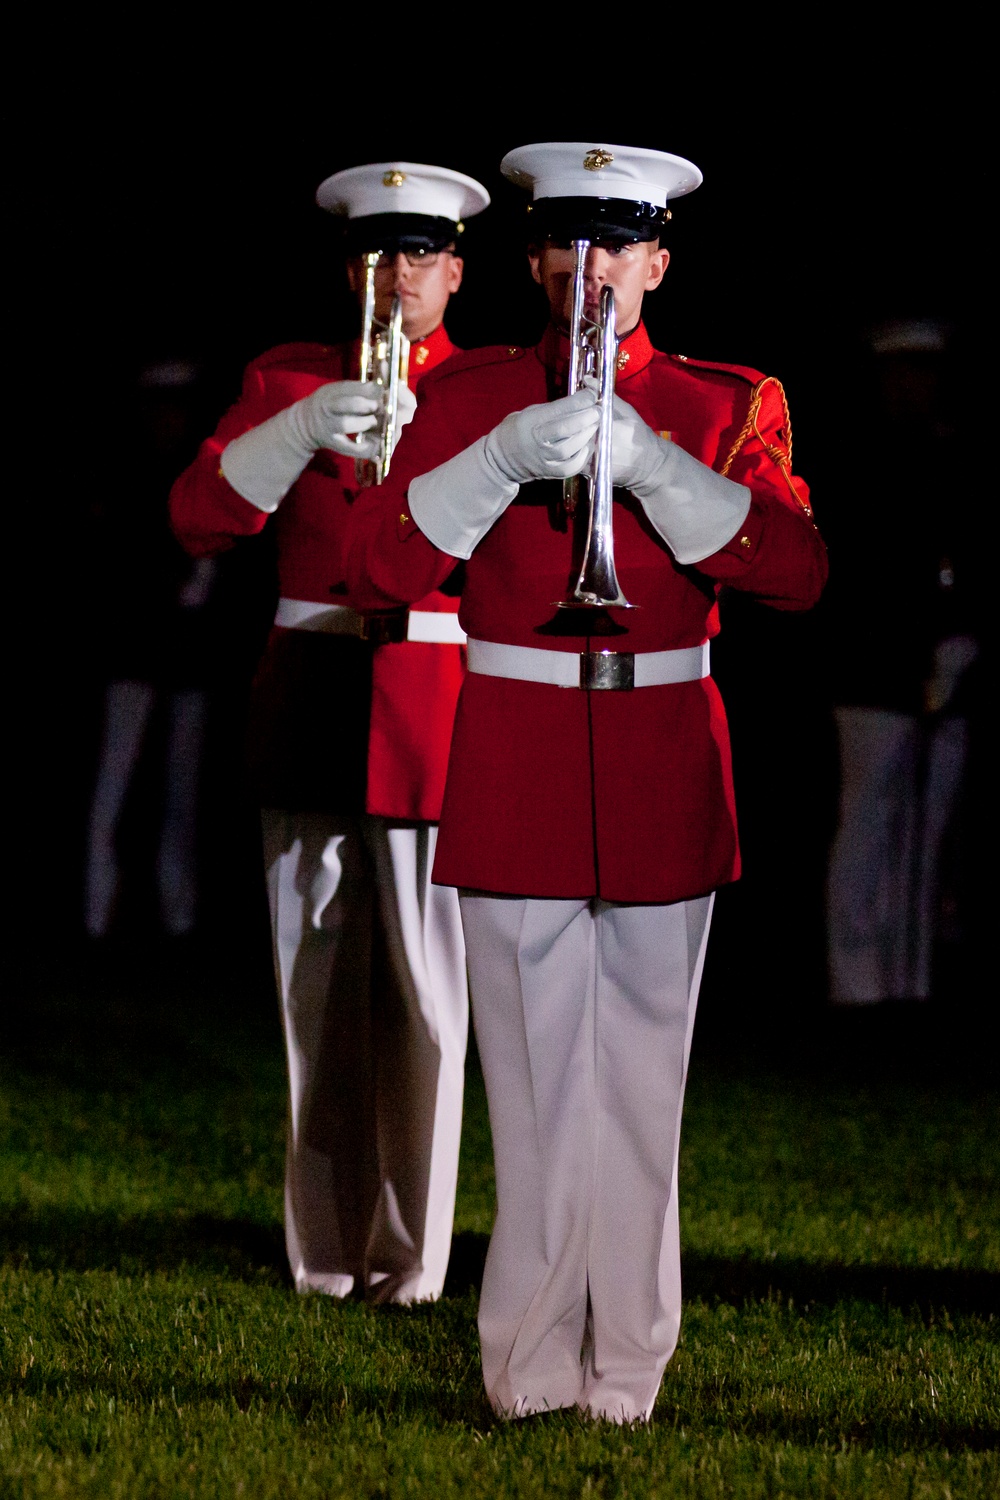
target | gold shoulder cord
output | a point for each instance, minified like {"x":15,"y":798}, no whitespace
{"x":782,"y":457}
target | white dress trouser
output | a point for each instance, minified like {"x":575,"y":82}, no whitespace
{"x":128,"y":710}
{"x":899,"y":784}
{"x":583,"y":1013}
{"x":370,"y":966}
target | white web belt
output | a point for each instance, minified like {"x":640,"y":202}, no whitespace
{"x":340,"y":619}
{"x":614,"y":670}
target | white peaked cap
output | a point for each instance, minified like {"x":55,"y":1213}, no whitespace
{"x":583,"y":169}
{"x":402,"y":187}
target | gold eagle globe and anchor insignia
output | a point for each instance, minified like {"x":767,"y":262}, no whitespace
{"x":393,"y":179}
{"x":596,"y":159}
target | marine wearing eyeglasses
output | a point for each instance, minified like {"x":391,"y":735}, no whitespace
{"x":418,"y":260}
{"x":351,"y":721}
{"x":425,"y":277}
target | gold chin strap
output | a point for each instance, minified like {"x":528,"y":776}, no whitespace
{"x":782,"y":456}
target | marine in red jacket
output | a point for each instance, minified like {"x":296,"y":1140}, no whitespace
{"x":351,"y":721}
{"x":589,"y":812}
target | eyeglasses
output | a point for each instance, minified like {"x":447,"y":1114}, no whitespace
{"x":420,"y":260}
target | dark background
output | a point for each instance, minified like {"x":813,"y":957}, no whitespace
{"x":166,"y":210}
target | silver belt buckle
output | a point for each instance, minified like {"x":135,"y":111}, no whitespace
{"x":611,"y":670}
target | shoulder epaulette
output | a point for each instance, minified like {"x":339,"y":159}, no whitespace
{"x":742,"y":372}
{"x":474,"y":359}
{"x":297,"y":354}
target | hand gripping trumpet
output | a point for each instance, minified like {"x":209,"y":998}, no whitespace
{"x":385,"y":359}
{"x":594,"y":351}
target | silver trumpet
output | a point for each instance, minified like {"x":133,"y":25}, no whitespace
{"x":385,"y":359}
{"x":593,"y":351}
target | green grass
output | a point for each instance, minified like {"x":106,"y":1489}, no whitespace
{"x":841,"y":1253}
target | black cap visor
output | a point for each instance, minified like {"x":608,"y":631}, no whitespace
{"x":392,"y":233}
{"x":562,"y":220}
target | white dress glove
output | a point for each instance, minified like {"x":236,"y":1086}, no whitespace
{"x":552,"y":440}
{"x":456,"y":504}
{"x":264,"y":463}
{"x":695,"y":510}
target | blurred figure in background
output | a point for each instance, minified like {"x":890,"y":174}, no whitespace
{"x":904,"y":638}
{"x":158,"y":647}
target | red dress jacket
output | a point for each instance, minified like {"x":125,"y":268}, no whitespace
{"x":560,"y":792}
{"x":336,"y":724}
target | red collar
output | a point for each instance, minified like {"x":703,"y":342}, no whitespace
{"x":424,"y":353}
{"x":428,"y":352}
{"x":634,"y":352}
